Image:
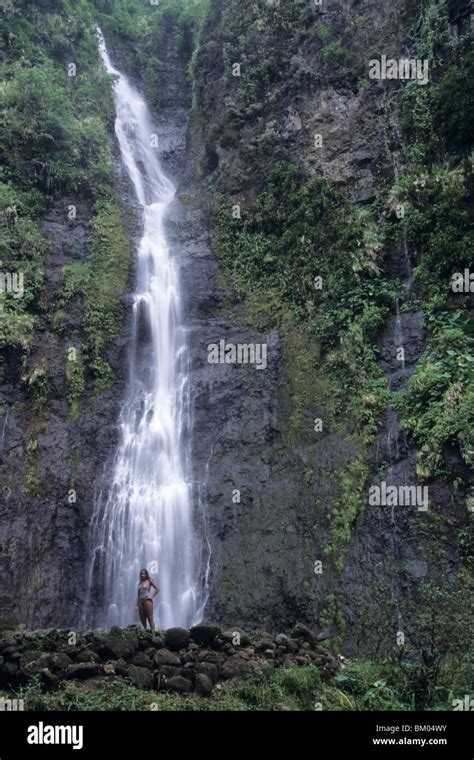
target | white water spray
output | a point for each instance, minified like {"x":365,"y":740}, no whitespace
{"x":146,"y":519}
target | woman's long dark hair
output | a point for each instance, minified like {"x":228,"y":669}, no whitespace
{"x":144,"y":570}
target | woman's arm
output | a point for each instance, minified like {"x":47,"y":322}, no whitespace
{"x":157,"y":588}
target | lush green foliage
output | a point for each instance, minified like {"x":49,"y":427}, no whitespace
{"x":52,"y":130}
{"x":138,"y":32}
{"x":301,"y":228}
{"x":437,"y":194}
{"x":21,"y":252}
{"x":438,"y":407}
{"x":441,"y":634}
{"x":271,"y":41}
{"x":54,"y":141}
{"x":100,"y":282}
{"x":306,"y":247}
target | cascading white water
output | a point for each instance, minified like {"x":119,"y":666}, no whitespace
{"x":146,"y":518}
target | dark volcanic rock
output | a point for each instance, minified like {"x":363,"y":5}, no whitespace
{"x":165,"y":657}
{"x":179,"y":684}
{"x":201,"y":668}
{"x":8,"y":673}
{"x":208,"y":669}
{"x":169,"y":671}
{"x":83,"y":670}
{"x":205,"y":633}
{"x":301,"y":631}
{"x":203,"y":685}
{"x":116,"y":646}
{"x":177,"y":638}
{"x":140,"y":677}
{"x":234,"y":666}
{"x":142,"y":660}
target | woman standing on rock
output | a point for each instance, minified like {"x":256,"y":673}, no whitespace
{"x":145,"y":598}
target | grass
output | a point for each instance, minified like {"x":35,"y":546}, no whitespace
{"x":362,"y":686}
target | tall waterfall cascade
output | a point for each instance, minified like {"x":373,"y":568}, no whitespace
{"x":144,"y":518}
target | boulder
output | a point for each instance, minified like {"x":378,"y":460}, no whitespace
{"x":29,"y":656}
{"x":48,"y":679}
{"x":209,"y":657}
{"x":188,"y":672}
{"x":8,"y":648}
{"x":207,"y":669}
{"x":203,"y":685}
{"x":165,"y":657}
{"x":142,"y":678}
{"x":8,"y":673}
{"x":303,"y":633}
{"x":86,"y":655}
{"x":83,"y":670}
{"x":234,"y":666}
{"x":168,"y":671}
{"x":177,"y":638}
{"x":120,"y":668}
{"x":144,"y":639}
{"x":59,"y":661}
{"x":118,"y":645}
{"x":179,"y":684}
{"x":205,"y":633}
{"x":264,"y":643}
{"x":142,"y":660}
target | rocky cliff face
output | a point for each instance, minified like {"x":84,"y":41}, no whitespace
{"x":270,"y":503}
{"x":51,"y":465}
{"x":265,"y":489}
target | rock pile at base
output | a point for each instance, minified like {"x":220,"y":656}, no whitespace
{"x":175,"y":660}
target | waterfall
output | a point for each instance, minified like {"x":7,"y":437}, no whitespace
{"x":145,"y":520}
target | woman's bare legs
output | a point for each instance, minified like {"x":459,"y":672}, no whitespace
{"x":142,"y":613}
{"x":149,"y":613}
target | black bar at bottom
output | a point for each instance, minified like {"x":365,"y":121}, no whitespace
{"x":384,"y":734}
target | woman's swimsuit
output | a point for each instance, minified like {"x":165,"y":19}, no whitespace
{"x":144,"y":593}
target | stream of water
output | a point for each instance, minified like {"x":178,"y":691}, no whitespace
{"x":145,"y":519}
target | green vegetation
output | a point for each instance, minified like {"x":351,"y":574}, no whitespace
{"x":100,"y":282}
{"x":441,"y":635}
{"x":349,"y":505}
{"x":300,"y":228}
{"x":21,"y":252}
{"x":139,"y":30}
{"x":316,"y":260}
{"x":54,"y":142}
{"x":270,"y":41}
{"x":331,"y":615}
{"x":436,"y":192}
